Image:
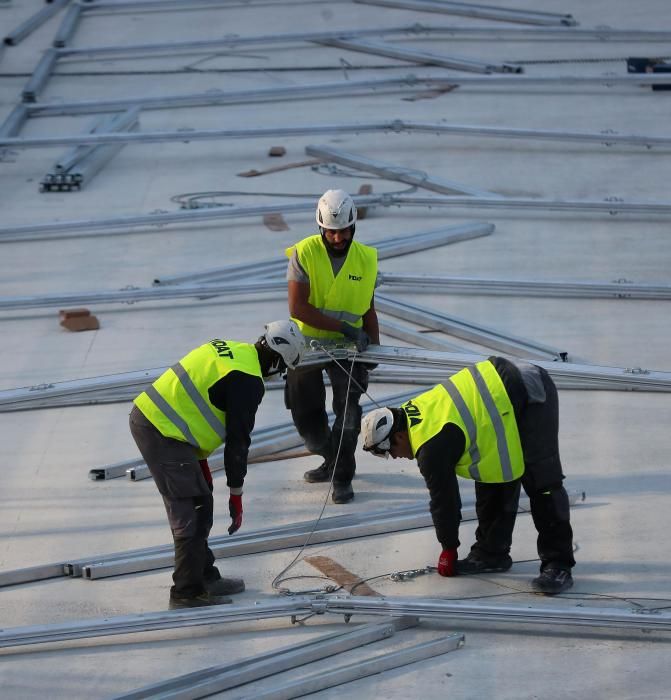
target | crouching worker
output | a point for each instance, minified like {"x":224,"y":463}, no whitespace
{"x":208,"y":398}
{"x":497,"y":423}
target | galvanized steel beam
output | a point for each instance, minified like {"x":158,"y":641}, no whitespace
{"x":216,"y":679}
{"x":382,"y":48}
{"x":110,"y":226}
{"x":410,"y":176}
{"x":551,"y":618}
{"x":396,"y":126}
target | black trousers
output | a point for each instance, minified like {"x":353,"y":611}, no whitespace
{"x":305,"y":397}
{"x":496,"y":504}
{"x":188,"y":503}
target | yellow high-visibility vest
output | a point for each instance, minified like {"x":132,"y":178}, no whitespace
{"x":476,"y":400}
{"x":178,"y":402}
{"x":346,"y":296}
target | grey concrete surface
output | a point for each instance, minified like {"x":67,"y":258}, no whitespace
{"x":614,"y":444}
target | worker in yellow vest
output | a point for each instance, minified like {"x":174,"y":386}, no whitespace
{"x":208,"y":398}
{"x":495,"y":422}
{"x":331,"y":281}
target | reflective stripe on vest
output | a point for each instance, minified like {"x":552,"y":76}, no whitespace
{"x":476,"y":401}
{"x":345,"y":297}
{"x":177,"y":403}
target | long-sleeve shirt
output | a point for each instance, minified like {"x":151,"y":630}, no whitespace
{"x":437,"y":459}
{"x":237,"y":394}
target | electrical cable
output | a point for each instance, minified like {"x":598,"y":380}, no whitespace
{"x":278,"y":579}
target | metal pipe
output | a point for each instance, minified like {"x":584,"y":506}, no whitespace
{"x":13,"y":123}
{"x":34,"y":22}
{"x":68,"y":25}
{"x":38,"y":79}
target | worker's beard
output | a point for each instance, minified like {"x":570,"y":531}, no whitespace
{"x":337,"y":252}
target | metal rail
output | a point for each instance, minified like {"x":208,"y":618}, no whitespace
{"x":117,"y":225}
{"x":468,"y":330}
{"x":504,"y":14}
{"x":410,"y":176}
{"x":395,"y":126}
{"x":216,"y":679}
{"x":552,"y":618}
{"x":172,"y":287}
{"x":382,"y":48}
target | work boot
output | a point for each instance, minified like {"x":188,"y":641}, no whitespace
{"x":342,"y":492}
{"x":479,"y":563}
{"x":552,"y":580}
{"x":320,"y":474}
{"x":198,"y":601}
{"x":225,"y":586}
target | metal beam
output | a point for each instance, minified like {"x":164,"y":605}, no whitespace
{"x":618,"y":289}
{"x":110,"y":226}
{"x":395,"y":126}
{"x":504,"y":14}
{"x":68,"y":25}
{"x":34,"y":22}
{"x":171,"y":287}
{"x":383,"y":48}
{"x":261,"y":95}
{"x":334,"y":90}
{"x":410,"y":176}
{"x":216,"y":679}
{"x":361,"y":669}
{"x":468,"y":330}
{"x":551,"y":618}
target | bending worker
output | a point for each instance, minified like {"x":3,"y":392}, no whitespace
{"x":331,"y":281}
{"x":207,"y":398}
{"x":497,"y":423}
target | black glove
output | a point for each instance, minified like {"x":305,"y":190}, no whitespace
{"x":357,"y":335}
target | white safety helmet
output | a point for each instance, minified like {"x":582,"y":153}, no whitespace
{"x":286,"y":339}
{"x":335,"y":210}
{"x":376,"y":431}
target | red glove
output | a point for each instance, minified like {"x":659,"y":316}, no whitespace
{"x":235,"y":509}
{"x":447,"y":563}
{"x":205,"y":468}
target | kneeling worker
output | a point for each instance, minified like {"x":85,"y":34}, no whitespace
{"x":208,"y":398}
{"x":497,"y":423}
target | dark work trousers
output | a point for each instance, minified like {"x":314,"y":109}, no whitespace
{"x":305,"y":397}
{"x":496,"y":504}
{"x":188,"y":502}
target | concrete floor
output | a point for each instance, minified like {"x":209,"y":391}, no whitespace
{"x":613,"y":444}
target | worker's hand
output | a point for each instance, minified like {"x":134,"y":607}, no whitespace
{"x":205,"y":468}
{"x":357,"y":335}
{"x":447,"y":563}
{"x":235,"y":509}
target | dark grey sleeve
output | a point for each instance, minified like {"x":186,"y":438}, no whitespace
{"x":295,"y":271}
